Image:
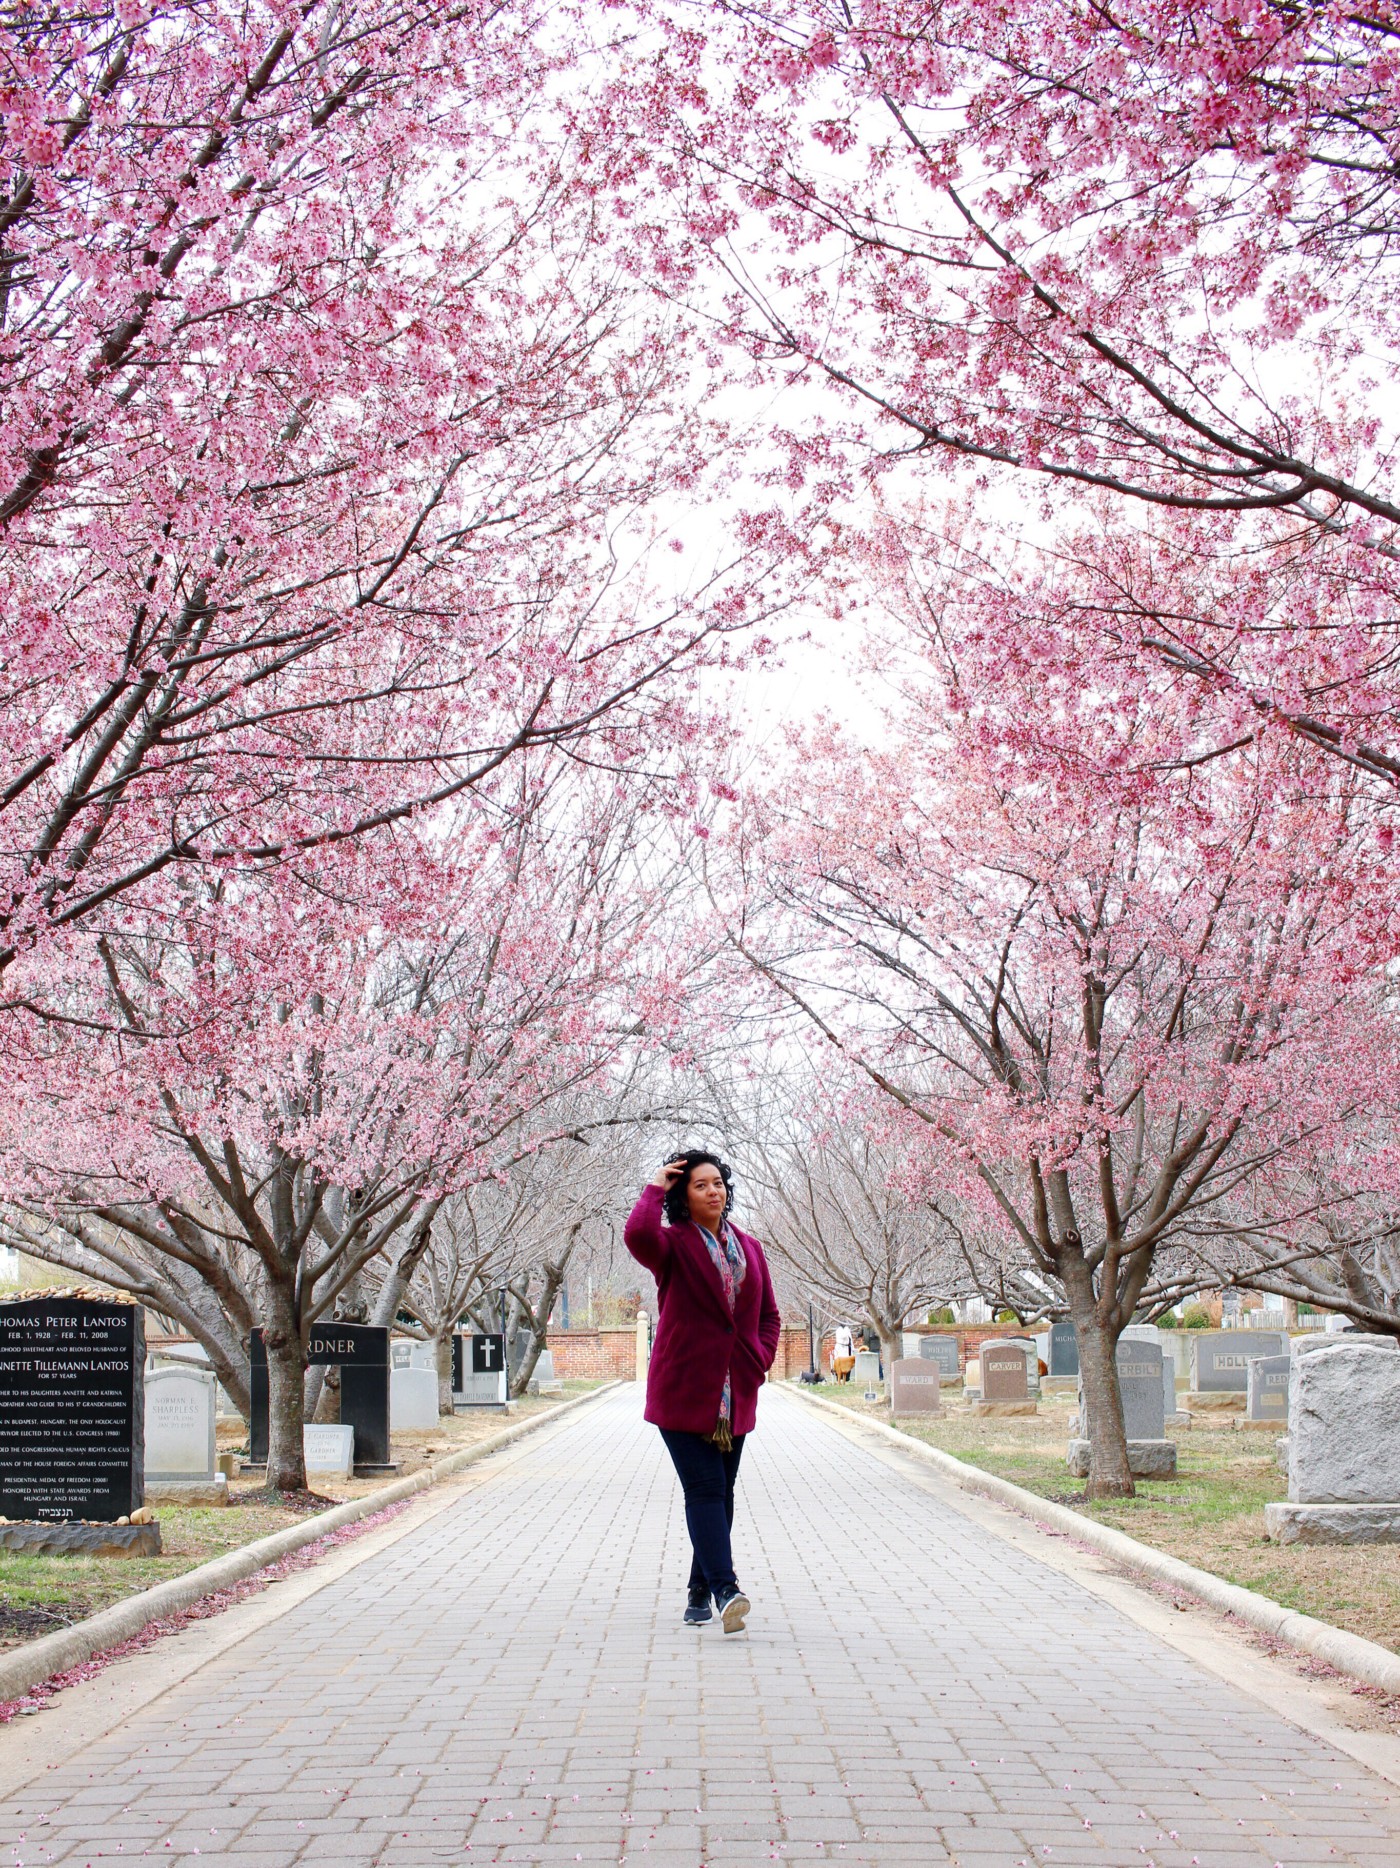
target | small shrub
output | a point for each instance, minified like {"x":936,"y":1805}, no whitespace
{"x":944,"y":1316}
{"x":1195,"y":1317}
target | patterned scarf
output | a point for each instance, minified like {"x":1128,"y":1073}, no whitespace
{"x":730,"y":1263}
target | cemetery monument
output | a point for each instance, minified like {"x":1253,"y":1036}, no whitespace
{"x":1005,"y":1384}
{"x":915,"y":1386}
{"x":1343,"y":1447}
{"x":181,"y":1458}
{"x":1150,"y":1454}
{"x":1220,"y":1362}
{"x":943,"y":1352}
{"x":72,"y":1423}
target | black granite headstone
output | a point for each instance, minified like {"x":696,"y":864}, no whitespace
{"x":488,"y":1354}
{"x":72,"y":1409}
{"x":1064,"y":1350}
{"x":361,"y":1351}
{"x":942,"y":1350}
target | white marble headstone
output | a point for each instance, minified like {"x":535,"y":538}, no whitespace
{"x":413,"y":1399}
{"x":180,"y":1407}
{"x":329,"y":1449}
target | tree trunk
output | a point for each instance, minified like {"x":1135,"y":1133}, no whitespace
{"x":443,"y":1343}
{"x":323,"y":1396}
{"x":536,"y":1319}
{"x":398,"y":1279}
{"x":286,"y":1382}
{"x":1102,"y":1425}
{"x":890,"y":1347}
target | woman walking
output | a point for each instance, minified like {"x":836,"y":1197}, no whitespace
{"x":716,"y":1335}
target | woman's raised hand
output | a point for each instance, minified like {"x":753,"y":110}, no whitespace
{"x":665,"y":1178}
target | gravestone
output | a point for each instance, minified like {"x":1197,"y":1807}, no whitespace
{"x":400,"y":1356}
{"x":544,"y":1381}
{"x":1064,"y":1350}
{"x":942,"y":1351}
{"x":1147,"y":1459}
{"x":1142,"y":1333}
{"x":361,"y":1352}
{"x":488,"y":1354}
{"x":1306,"y":1345}
{"x":1004,"y":1372}
{"x":329,"y":1449}
{"x":1168,"y":1386}
{"x":481,"y":1365}
{"x":1268,"y":1389}
{"x":914,"y":1386}
{"x":72,"y":1409}
{"x":866,"y":1373}
{"x":413,"y":1400}
{"x":1026,"y":1346}
{"x":1140,"y":1384}
{"x":1177,"y":1345}
{"x":1343,"y":1448}
{"x":1220,"y":1359}
{"x":180,"y":1454}
{"x":1143,"y":1375}
{"x":180,"y":1424}
{"x":480,"y":1391}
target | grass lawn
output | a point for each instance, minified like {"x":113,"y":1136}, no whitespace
{"x":1211,"y":1515}
{"x":41,"y":1594}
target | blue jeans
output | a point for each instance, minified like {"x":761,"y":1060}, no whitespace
{"x":707,"y":1479}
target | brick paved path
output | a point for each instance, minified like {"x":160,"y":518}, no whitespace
{"x":511,"y":1683}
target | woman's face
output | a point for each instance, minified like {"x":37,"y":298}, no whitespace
{"x":705,"y":1191}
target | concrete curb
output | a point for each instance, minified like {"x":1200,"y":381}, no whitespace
{"x":70,"y":1647}
{"x":1348,"y":1653}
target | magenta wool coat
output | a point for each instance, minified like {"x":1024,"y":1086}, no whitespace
{"x":696,"y":1338}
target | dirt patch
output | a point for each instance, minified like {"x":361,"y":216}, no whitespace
{"x":18,"y":1625}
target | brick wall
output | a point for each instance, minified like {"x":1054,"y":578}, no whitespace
{"x":791,"y":1358}
{"x":611,"y":1355}
{"x":595,"y":1355}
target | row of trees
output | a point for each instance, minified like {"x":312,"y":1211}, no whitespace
{"x":346,"y":675}
{"x":1093,"y":938}
{"x":1111,"y":1028}
{"x":359,"y":368}
{"x":282,"y":1104}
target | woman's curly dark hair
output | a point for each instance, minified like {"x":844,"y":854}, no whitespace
{"x":677,"y":1205}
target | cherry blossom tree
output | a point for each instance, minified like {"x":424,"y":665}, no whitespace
{"x":831,"y":1202}
{"x":1102,"y":994}
{"x":1324,"y":1233}
{"x":516,"y":1232}
{"x":828,"y":1196}
{"x":332,"y":440}
{"x":292,"y":1077}
{"x":1143,"y":256}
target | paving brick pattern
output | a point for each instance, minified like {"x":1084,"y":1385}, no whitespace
{"x":511,"y":1683}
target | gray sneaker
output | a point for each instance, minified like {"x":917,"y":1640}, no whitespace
{"x":733,"y":1606}
{"x":697,"y":1607}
